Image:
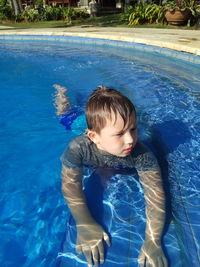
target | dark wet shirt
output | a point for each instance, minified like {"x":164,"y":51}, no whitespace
{"x":81,"y":152}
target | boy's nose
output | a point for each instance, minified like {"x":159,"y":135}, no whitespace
{"x":128,"y":138}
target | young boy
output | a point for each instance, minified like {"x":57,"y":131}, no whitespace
{"x":111,"y":142}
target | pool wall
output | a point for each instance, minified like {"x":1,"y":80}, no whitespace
{"x":193,"y":58}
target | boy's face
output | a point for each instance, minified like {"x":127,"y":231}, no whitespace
{"x":116,"y":139}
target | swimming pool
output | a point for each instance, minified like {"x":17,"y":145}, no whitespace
{"x":166,"y":94}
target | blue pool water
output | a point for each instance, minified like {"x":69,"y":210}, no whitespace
{"x":34,"y":217}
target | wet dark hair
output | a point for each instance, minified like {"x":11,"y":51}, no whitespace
{"x":102,"y":102}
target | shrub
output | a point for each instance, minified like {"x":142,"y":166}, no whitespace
{"x":41,"y":13}
{"x":81,"y":13}
{"x":5,"y":10}
{"x":29,"y":15}
{"x":58,"y":13}
{"x":195,"y":11}
{"x":67,"y":14}
{"x":52,"y":13}
{"x":154,"y":13}
{"x":137,"y":15}
{"x":146,"y":13}
{"x":125,"y":16}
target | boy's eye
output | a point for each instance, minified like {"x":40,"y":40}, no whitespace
{"x":133,"y":129}
{"x":119,"y":134}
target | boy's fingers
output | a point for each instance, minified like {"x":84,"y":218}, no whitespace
{"x":88,"y":255}
{"x":165,"y":263}
{"x":107,"y":239}
{"x":101,"y":252}
{"x":160,"y":263}
{"x":95,"y":256}
{"x":79,"y":249}
{"x":141,"y":260}
{"x":89,"y":264}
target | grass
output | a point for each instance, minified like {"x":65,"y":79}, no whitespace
{"x":113,"y":20}
{"x":102,"y":21}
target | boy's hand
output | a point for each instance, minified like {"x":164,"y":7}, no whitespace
{"x":90,"y":242}
{"x":151,"y":255}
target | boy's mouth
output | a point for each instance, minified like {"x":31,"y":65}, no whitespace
{"x":128,"y":150}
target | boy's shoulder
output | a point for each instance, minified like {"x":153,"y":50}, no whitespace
{"x":75,"y":151}
{"x":144,"y":158}
{"x":79,"y":141}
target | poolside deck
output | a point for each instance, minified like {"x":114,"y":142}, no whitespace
{"x":179,"y":40}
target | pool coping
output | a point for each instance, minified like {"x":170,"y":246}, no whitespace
{"x":186,"y":41}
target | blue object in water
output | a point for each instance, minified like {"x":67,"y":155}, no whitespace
{"x":68,"y":118}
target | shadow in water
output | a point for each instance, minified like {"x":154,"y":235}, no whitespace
{"x":166,"y":137}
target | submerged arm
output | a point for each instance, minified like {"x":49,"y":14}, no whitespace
{"x":90,"y":235}
{"x":151,"y":251}
{"x":155,"y":204}
{"x":73,"y":194}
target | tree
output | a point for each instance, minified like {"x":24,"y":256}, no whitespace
{"x":16,"y":5}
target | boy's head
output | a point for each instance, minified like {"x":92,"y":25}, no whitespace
{"x":110,"y":116}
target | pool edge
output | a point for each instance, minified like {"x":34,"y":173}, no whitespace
{"x":101,"y":40}
{"x":179,"y":45}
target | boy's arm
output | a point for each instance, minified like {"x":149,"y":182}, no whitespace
{"x":151,"y":251}
{"x":90,"y":235}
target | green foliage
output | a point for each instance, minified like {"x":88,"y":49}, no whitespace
{"x":3,"y":3}
{"x":67,"y":14}
{"x":42,"y":13}
{"x":81,"y":13}
{"x":195,"y":12}
{"x":125,"y":16}
{"x":28,"y":15}
{"x":146,"y":13}
{"x":49,"y":13}
{"x":171,"y":4}
{"x":137,"y":15}
{"x":52,"y":13}
{"x":5,"y":10}
{"x":61,"y":13}
{"x":192,"y":4}
{"x":38,"y":2}
{"x":154,"y":13}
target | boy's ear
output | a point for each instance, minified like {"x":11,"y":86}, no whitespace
{"x":93,"y":136}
